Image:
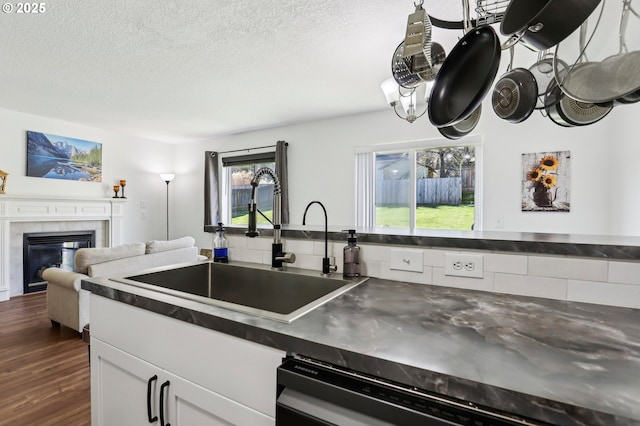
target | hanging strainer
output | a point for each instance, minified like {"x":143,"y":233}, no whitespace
{"x":543,"y":73}
{"x":599,"y":82}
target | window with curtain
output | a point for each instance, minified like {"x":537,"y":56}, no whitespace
{"x":238,"y":173}
{"x":228,"y":185}
{"x":417,"y":187}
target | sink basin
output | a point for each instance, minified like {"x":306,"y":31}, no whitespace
{"x":256,"y":289}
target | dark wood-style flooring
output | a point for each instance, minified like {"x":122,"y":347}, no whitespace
{"x":44,"y":371}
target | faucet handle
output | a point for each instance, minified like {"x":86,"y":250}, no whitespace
{"x":329,"y":265}
{"x":287,"y":257}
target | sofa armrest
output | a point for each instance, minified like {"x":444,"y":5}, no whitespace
{"x":63,"y":278}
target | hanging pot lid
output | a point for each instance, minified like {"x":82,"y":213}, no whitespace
{"x":600,"y":82}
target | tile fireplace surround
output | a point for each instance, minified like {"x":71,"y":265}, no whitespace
{"x":20,"y":214}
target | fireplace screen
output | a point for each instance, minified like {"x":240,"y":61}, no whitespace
{"x":42,"y":250}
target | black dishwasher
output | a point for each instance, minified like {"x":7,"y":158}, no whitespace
{"x":315,"y":393}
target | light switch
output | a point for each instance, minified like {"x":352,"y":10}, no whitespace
{"x":407,"y":260}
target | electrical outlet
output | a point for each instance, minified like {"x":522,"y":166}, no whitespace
{"x":464,"y":265}
{"x":406,"y":260}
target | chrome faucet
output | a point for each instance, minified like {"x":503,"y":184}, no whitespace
{"x":278,"y":257}
{"x":327,"y":267}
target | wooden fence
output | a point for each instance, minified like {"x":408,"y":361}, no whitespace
{"x":241,"y":197}
{"x":429,"y":192}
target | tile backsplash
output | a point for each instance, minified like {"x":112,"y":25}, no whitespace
{"x":589,"y":280}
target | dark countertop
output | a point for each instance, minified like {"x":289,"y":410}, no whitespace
{"x":595,"y":246}
{"x":562,"y":362}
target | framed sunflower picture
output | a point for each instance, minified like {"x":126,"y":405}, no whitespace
{"x":545,"y":181}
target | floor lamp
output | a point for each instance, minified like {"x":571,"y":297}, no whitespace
{"x":167,"y":177}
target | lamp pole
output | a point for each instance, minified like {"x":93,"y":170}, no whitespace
{"x":167,"y":177}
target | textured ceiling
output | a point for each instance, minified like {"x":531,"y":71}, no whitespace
{"x":179,"y":71}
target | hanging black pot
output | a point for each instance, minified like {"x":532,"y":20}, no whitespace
{"x":631,"y":98}
{"x":515,"y":95}
{"x":542,"y":24}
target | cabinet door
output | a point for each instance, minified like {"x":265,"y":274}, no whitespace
{"x":241,"y":370}
{"x":189,"y":404}
{"x":120,"y":393}
{"x":119,"y":384}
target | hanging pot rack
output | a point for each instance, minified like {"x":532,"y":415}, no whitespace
{"x":487,"y":12}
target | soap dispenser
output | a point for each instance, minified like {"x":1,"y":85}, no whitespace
{"x":220,"y":248}
{"x":351,"y":256}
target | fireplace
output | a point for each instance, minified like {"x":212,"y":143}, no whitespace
{"x":42,"y":250}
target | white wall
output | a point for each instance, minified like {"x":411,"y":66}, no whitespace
{"x":124,"y":157}
{"x":321,"y":156}
{"x":624,"y":171}
{"x":503,"y":145}
{"x":321,"y":167}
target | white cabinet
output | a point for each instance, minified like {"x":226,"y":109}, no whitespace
{"x":127,"y":390}
{"x":119,"y":386}
{"x":210,"y":378}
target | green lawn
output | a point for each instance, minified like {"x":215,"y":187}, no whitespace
{"x":442,"y":217}
{"x":244,"y":219}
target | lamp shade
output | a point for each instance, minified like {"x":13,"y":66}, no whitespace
{"x":390,"y":89}
{"x":167,"y":177}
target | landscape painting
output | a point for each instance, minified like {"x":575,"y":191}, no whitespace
{"x":61,"y":157}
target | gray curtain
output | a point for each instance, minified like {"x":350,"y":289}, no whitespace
{"x":211,"y":189}
{"x":282,"y":171}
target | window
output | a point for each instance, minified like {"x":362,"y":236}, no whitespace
{"x":237,"y":175}
{"x":432,"y":187}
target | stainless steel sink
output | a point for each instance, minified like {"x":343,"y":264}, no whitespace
{"x":253,"y":289}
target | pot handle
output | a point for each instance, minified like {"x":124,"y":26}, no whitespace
{"x":624,"y":19}
{"x":510,"y":66}
{"x":466,"y":19}
{"x":511,"y":41}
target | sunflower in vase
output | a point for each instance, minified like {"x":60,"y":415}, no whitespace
{"x":543,"y":178}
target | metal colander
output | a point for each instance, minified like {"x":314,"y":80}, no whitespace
{"x":401,"y":69}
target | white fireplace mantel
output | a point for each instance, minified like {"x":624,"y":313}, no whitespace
{"x":34,"y":208}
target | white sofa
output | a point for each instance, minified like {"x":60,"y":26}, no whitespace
{"x":68,"y":304}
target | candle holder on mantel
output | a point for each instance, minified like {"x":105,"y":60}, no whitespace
{"x":123,"y":183}
{"x":116,"y":189}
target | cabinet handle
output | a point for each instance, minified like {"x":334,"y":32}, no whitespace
{"x":164,"y":385}
{"x":152,"y":419}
